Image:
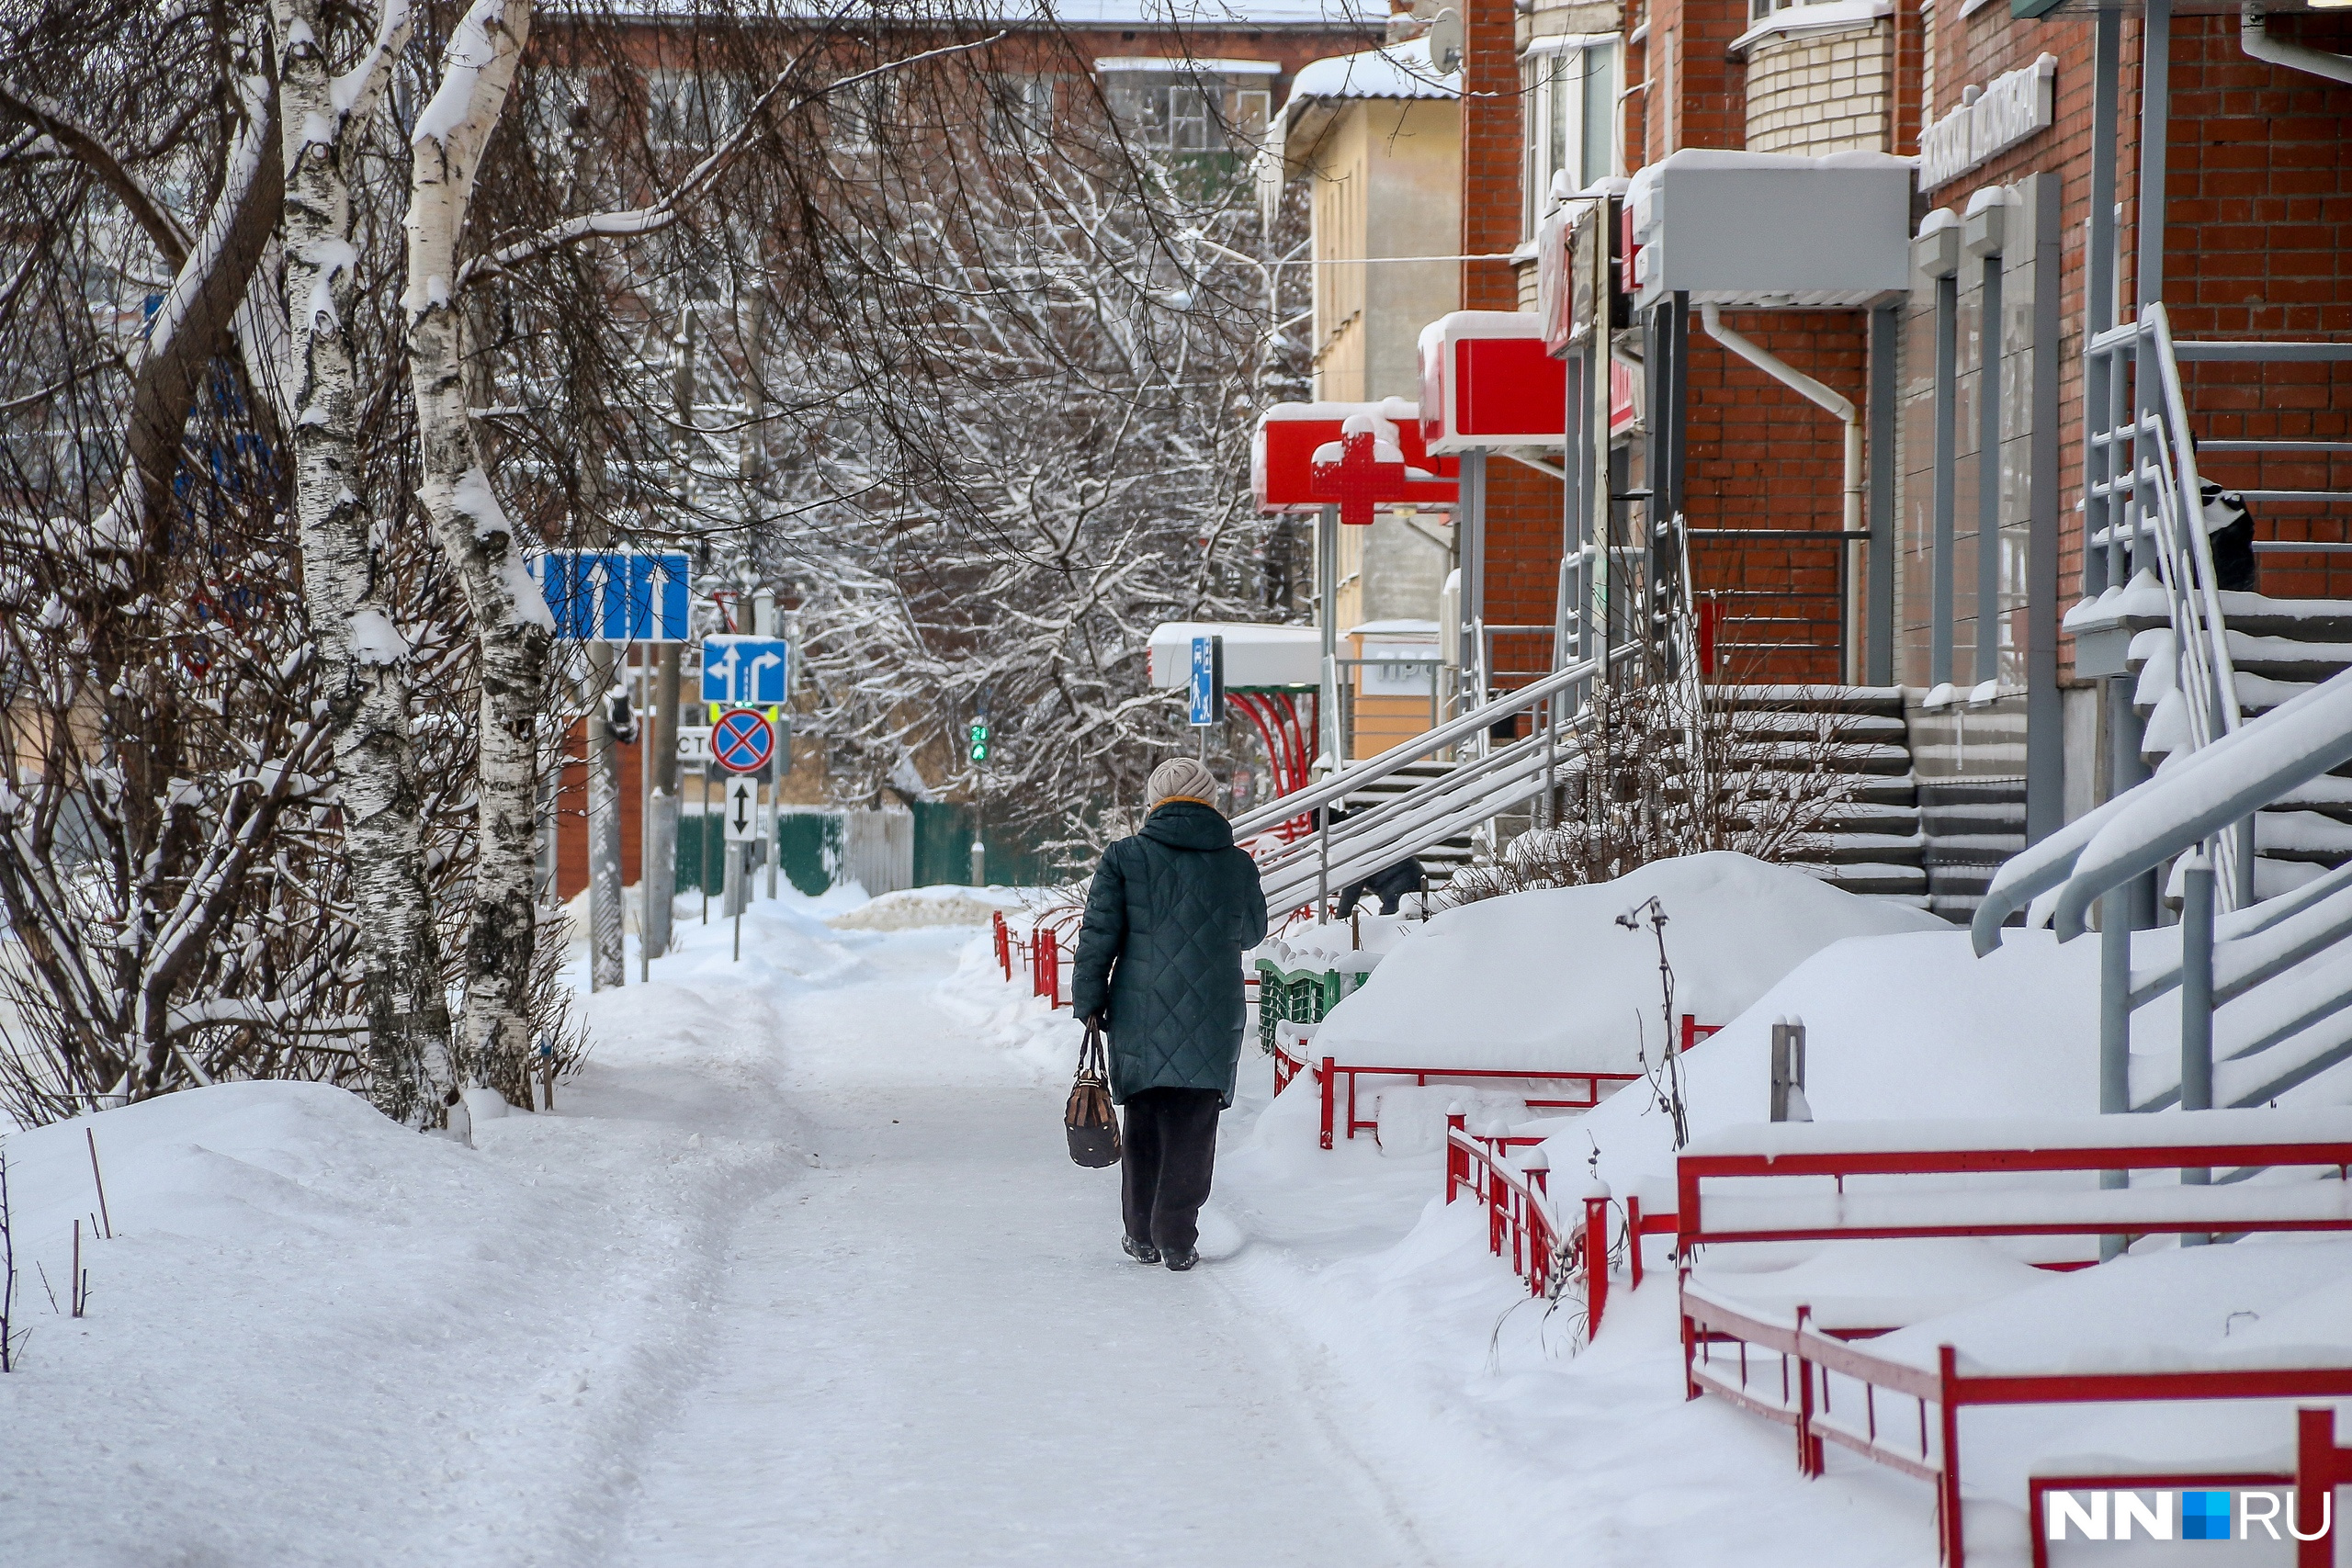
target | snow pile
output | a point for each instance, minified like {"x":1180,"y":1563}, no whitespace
{"x":913,"y":908}
{"x":320,"y":1338}
{"x":1412,"y":1119}
{"x":1910,"y":1026}
{"x":1007,"y":1017}
{"x":1350,"y":949}
{"x":1549,"y":982}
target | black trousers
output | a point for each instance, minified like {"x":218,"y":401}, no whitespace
{"x":1170,"y":1152}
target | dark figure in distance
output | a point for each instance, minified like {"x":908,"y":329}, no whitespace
{"x":1389,"y":885}
{"x":1160,"y":968}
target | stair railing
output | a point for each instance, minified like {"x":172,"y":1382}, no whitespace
{"x":2281,"y":966}
{"x":2152,"y":462}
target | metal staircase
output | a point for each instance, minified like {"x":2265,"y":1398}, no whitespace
{"x":2277,"y":648}
{"x":2247,"y":703}
{"x":1869,"y":842}
{"x":1440,"y":859}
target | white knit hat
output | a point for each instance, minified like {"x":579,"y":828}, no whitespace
{"x":1182,"y":778}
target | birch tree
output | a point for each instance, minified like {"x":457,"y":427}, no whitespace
{"x":364,"y":663}
{"x":512,"y":630}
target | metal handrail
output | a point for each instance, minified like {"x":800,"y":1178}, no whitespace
{"x":1356,"y":776}
{"x":2166,"y":493}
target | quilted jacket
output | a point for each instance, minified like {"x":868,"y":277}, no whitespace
{"x":1170,"y":912}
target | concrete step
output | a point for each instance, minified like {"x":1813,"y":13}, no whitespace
{"x":1881,"y":701}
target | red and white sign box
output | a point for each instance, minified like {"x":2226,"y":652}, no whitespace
{"x":1282,"y":455}
{"x":1488,"y":380}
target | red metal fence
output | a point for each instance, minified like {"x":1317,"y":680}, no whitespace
{"x":1808,"y":1358}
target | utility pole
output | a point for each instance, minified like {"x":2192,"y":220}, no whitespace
{"x":661,"y":804}
{"x":607,"y":898}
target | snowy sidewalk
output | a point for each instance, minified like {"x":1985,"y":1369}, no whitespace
{"x":930,"y":1351}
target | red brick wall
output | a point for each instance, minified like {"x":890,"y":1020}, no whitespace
{"x":2260,"y":187}
{"x":1490,"y":154}
{"x":1756,"y":455}
{"x":572,"y":816}
{"x":2259,"y":241}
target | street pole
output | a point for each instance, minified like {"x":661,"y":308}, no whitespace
{"x":662,"y":801}
{"x":607,"y":964}
{"x":764,"y":623}
{"x":645,"y":825}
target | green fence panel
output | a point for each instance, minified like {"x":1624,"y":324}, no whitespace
{"x":702,"y":857}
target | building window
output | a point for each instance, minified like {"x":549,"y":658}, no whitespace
{"x":862,"y":113}
{"x":1021,"y":114}
{"x":1760,"y":10}
{"x":1180,"y":107}
{"x":693,"y":112}
{"x":1570,"y":86}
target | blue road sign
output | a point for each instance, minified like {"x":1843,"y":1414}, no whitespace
{"x":751,"y":671}
{"x":742,"y":740}
{"x":618,"y":595}
{"x":1208,"y":681}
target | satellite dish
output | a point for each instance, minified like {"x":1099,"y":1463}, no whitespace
{"x":1445,"y":41}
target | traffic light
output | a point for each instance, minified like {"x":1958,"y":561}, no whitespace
{"x":980,"y":741}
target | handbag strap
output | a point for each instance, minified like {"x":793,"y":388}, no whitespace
{"x":1092,"y":1061}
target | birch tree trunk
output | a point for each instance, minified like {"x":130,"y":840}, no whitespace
{"x":364,"y":659}
{"x":512,"y":626}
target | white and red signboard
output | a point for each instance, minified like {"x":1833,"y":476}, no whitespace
{"x":1488,"y":379}
{"x":1292,"y":438}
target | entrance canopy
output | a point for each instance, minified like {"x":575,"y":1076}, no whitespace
{"x":1488,"y":379}
{"x":1298,"y":459}
{"x":1257,"y":657}
{"x":1770,"y":230}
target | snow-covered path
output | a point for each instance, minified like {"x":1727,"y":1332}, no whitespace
{"x":929,"y":1351}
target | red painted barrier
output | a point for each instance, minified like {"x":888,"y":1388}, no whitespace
{"x":1808,"y":1356}
{"x":1519,"y":1214}
{"x":1329,"y":1072}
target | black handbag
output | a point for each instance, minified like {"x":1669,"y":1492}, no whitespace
{"x":1089,"y":1118}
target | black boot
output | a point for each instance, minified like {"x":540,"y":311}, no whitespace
{"x":1180,"y":1261}
{"x":1141,"y":1251}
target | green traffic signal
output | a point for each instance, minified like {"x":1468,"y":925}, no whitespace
{"x":980,"y":741}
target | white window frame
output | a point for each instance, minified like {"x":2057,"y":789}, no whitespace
{"x":1556,"y":76}
{"x":722,"y":98}
{"x":1231,"y":102}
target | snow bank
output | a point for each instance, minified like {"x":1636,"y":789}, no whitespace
{"x":917,"y":907}
{"x":1897,"y":1027}
{"x":320,"y":1338}
{"x":1548,"y":981}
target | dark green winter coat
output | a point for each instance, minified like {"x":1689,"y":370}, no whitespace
{"x":1171,"y":911}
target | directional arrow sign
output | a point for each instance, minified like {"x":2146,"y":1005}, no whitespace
{"x":617,"y":596}
{"x":747,"y":670}
{"x":743,"y":810}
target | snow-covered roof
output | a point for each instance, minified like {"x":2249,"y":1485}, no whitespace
{"x":1813,"y":17}
{"x":1399,"y":71}
{"x":1395,"y":72}
{"x":1199,"y":14}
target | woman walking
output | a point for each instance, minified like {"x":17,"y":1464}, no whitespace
{"x":1160,"y":969}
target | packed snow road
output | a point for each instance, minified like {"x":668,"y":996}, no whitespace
{"x":929,"y":1350}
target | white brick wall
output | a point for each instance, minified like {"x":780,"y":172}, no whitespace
{"x":1822,"y":91}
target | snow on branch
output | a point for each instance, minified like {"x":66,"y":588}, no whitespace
{"x":660,"y":214}
{"x":112,"y":169}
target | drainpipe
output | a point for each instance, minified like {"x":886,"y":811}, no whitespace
{"x":1812,"y":391}
{"x":2254,"y":36}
